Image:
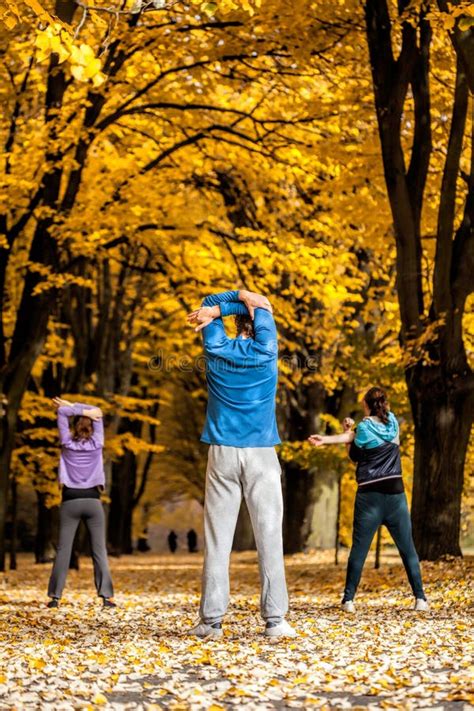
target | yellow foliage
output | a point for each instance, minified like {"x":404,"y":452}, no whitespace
{"x":193,"y":158}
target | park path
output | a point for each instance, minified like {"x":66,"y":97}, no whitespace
{"x":384,"y":657}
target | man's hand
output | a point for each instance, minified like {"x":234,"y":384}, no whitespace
{"x":347,"y":424}
{"x":317,"y":440}
{"x":254,"y":301}
{"x":203,"y":316}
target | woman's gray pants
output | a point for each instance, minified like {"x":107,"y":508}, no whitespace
{"x":70,"y":515}
{"x":255,"y":473}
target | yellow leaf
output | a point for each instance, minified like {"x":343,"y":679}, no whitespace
{"x":77,"y":72}
{"x":92,"y":67}
{"x":99,"y":699}
{"x":98,"y":79}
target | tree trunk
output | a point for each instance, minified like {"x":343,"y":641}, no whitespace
{"x":121,"y":504}
{"x":46,"y":530}
{"x":440,"y":384}
{"x":299,"y":501}
{"x":324,"y":513}
{"x":338,"y":521}
{"x":14,"y":523}
{"x":33,"y":311}
{"x":442,"y":416}
{"x":8,"y":435}
{"x":310,"y":494}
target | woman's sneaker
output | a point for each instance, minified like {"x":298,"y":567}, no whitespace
{"x":108,"y":602}
{"x":348,"y":606}
{"x":421,"y":605}
{"x":280,"y":629}
{"x":54,"y":602}
{"x":202,"y":629}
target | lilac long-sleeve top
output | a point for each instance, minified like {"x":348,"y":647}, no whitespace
{"x":80,"y":464}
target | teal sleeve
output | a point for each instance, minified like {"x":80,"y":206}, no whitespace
{"x":363,"y":436}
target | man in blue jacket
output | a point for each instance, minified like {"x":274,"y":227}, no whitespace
{"x":241,"y":431}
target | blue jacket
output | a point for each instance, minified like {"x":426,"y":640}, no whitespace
{"x":242,"y":375}
{"x":376,"y":449}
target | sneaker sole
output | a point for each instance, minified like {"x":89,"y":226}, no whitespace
{"x":279,"y":635}
{"x":218,"y":633}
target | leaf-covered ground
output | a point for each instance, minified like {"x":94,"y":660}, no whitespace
{"x":386,"y":656}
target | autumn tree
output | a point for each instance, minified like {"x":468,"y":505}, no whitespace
{"x":439,"y":379}
{"x":167,"y":150}
{"x":40,"y":222}
{"x":102,"y":128}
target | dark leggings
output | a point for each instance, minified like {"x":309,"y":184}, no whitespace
{"x":371,"y":511}
{"x":70,"y":515}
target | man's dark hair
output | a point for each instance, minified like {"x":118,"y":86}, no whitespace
{"x":244,"y":325}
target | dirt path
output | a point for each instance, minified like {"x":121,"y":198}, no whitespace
{"x":384,"y":657}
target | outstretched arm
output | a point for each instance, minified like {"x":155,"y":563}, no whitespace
{"x":319,"y":440}
{"x":347,"y":425}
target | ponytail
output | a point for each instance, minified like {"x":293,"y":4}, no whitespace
{"x":376,"y":401}
{"x":82,"y":428}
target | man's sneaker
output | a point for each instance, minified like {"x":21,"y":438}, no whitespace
{"x":281,"y":629}
{"x":421,"y":605}
{"x":54,"y":602}
{"x":348,"y":606}
{"x":203,"y":630}
{"x":108,"y":602}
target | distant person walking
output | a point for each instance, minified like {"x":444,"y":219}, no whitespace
{"x":192,"y":541}
{"x":81,"y":474}
{"x":380,"y":498}
{"x":172,"y":541}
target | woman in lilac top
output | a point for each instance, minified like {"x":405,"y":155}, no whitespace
{"x":81,"y":474}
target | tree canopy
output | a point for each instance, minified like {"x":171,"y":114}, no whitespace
{"x":155,"y":152}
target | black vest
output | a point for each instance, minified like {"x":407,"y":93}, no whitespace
{"x":382,"y":462}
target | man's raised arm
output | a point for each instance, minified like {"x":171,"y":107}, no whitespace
{"x":228,"y":300}
{"x":227,"y":303}
{"x":222,"y":297}
{"x":265,"y":330}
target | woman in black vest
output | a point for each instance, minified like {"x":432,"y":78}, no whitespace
{"x":380,"y":499}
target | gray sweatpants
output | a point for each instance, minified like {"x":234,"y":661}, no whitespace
{"x":70,"y":515}
{"x":254,"y":472}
